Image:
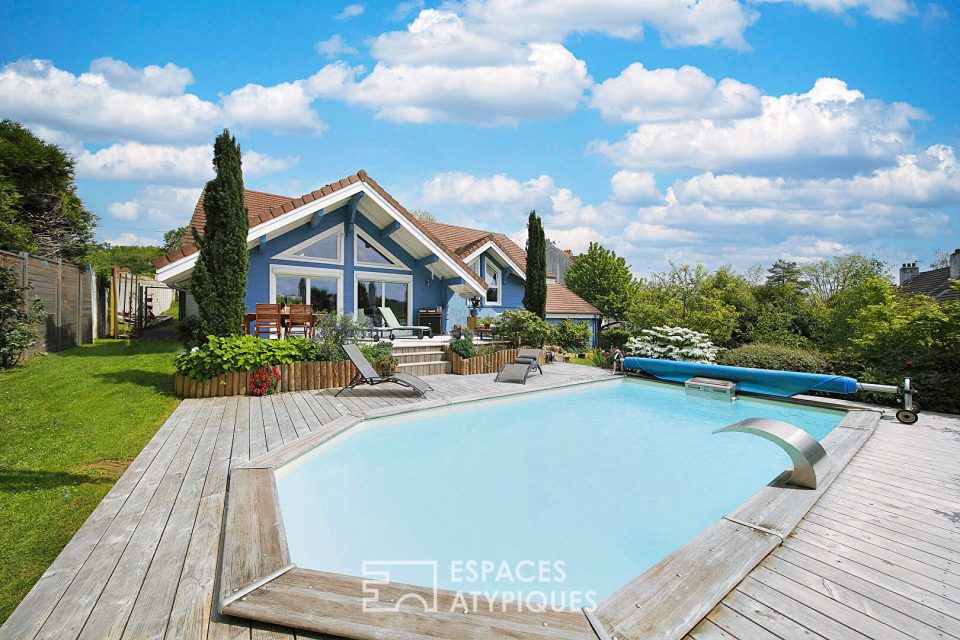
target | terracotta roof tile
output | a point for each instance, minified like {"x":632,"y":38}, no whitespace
{"x":561,"y":300}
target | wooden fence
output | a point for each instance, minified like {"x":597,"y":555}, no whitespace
{"x":488,"y":363}
{"x":66,"y":292}
{"x":297,"y":376}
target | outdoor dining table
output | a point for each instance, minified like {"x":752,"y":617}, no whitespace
{"x":249,"y":318}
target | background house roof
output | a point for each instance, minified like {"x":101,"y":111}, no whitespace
{"x":934,"y":283}
{"x":561,"y":300}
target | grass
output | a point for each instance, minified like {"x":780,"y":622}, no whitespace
{"x":70,"y":423}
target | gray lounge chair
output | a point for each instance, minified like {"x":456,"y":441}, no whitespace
{"x":366,"y":374}
{"x":513,"y":373}
{"x":393,"y":325}
{"x":529,"y":357}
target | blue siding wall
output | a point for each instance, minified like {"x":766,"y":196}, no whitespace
{"x":428,"y":292}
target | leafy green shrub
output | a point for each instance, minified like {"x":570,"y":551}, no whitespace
{"x":380,"y":355}
{"x":673,"y":343}
{"x":572,"y":336}
{"x":613,"y":339}
{"x":525,"y":327}
{"x":774,"y":356}
{"x":333,"y":330}
{"x":243,"y":353}
{"x":464,"y":346}
{"x":16,"y":316}
{"x":187,"y":331}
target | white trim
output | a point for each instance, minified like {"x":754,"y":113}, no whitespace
{"x":171,"y":271}
{"x":489,"y":264}
{"x":397,"y":263}
{"x":377,"y":276}
{"x":306,"y":272}
{"x":289,"y":253}
{"x":503,"y":256}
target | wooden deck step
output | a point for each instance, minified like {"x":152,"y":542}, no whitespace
{"x":432,"y":368}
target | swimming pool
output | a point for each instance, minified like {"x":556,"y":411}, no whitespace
{"x":605,"y":479}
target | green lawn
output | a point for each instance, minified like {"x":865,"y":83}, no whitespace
{"x":70,"y":423}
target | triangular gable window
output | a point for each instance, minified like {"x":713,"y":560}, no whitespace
{"x":324,"y":247}
{"x":370,"y":253}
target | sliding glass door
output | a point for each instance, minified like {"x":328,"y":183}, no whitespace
{"x":315,"y":290}
{"x":373,"y":293}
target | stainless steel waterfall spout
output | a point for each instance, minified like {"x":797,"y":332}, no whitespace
{"x":804,"y":450}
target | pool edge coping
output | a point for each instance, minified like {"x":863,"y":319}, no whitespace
{"x":255,"y":558}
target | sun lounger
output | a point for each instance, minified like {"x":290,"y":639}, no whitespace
{"x":366,"y":374}
{"x":513,"y":373}
{"x":393,"y":325}
{"x":529,"y":357}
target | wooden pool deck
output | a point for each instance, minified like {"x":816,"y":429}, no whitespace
{"x":878,"y":555}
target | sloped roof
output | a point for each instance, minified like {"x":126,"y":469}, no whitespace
{"x":934,"y":283}
{"x":263,"y":207}
{"x":561,"y":300}
{"x":456,"y":242}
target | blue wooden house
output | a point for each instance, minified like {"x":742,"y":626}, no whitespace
{"x":351,"y":247}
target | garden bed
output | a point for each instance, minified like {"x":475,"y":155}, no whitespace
{"x":295,"y":376}
{"x":487,"y":363}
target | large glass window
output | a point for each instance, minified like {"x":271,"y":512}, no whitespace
{"x":372,"y":294}
{"x":317,"y":291}
{"x":368,"y":254}
{"x":493,"y":278}
{"x":327,"y":248}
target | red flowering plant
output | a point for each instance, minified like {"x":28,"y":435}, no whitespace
{"x":264,"y":381}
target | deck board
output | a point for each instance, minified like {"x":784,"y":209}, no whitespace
{"x":877,"y":556}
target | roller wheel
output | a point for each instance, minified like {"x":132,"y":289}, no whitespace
{"x":906,"y":416}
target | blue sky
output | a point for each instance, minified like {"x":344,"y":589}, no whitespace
{"x":720,"y":131}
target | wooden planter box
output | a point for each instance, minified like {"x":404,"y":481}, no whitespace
{"x":489,"y":363}
{"x":297,"y":376}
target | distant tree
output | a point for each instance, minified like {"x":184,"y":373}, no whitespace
{"x":137,"y":260}
{"x":423,"y":215}
{"x":940,"y":260}
{"x":535,"y":287}
{"x":173,"y":238}
{"x":39,"y":207}
{"x":827,"y":278}
{"x":219,"y":280}
{"x":786,"y":273}
{"x":603,"y":279}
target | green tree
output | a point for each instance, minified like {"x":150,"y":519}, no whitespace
{"x":423,"y":215}
{"x":219,"y":280}
{"x":535,"y":286}
{"x":137,"y":260}
{"x":603,"y":279}
{"x":17,"y":317}
{"x":39,"y":206}
{"x":827,"y":278}
{"x":786,"y":273}
{"x":173,"y":238}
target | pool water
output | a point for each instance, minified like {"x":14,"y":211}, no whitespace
{"x":605,"y":479}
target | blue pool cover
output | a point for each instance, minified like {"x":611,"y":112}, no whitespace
{"x":767,"y":381}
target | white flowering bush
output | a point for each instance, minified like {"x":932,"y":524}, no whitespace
{"x":673,"y":343}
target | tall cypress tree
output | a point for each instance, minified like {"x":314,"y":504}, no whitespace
{"x":219,"y":281}
{"x":535,"y":287}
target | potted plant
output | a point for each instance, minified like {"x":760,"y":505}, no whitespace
{"x":487,"y":321}
{"x":457,"y":332}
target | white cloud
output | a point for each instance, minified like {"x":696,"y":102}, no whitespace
{"x":350,"y":11}
{"x":128,"y":239}
{"x":171,"y":206}
{"x":890,"y":10}
{"x":111,"y":101}
{"x":829,"y":128}
{"x":549,"y":82}
{"x":334,"y":46}
{"x":404,"y":9}
{"x":162,"y":164}
{"x":708,"y":22}
{"x":464,"y":189}
{"x":655,"y":95}
{"x":636,"y":187}
{"x":281,"y":108}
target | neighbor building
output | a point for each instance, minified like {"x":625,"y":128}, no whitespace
{"x":936,"y":283}
{"x":350,"y":247}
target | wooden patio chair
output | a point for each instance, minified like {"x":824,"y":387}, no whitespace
{"x":267,"y":323}
{"x":301,"y":321}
